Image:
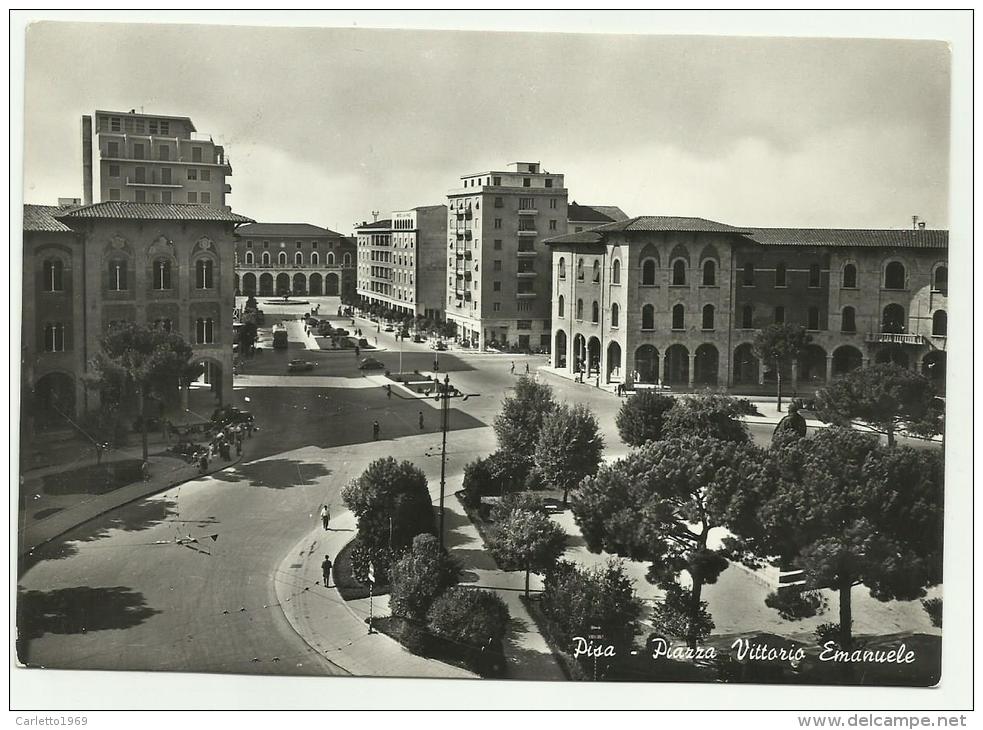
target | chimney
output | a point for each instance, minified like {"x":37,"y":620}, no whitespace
{"x":86,"y":160}
{"x":921,"y":225}
{"x":375,"y":216}
{"x":914,"y":222}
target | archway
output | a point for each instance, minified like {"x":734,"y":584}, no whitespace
{"x":892,"y":354}
{"x":747,"y":368}
{"x":300,"y":284}
{"x":331,"y":284}
{"x":614,"y":362}
{"x":579,"y":353}
{"x":315,"y":285}
{"x":282,"y":284}
{"x":249,"y":284}
{"x":593,"y":356}
{"x":54,"y":401}
{"x":812,"y":365}
{"x":893,"y":320}
{"x":266,"y":285}
{"x":677,"y":365}
{"x":705,"y":365}
{"x":560,"y":350}
{"x":845,"y":359}
{"x":933,"y":368}
{"x":647,"y":364}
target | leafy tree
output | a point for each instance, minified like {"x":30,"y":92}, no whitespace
{"x":848,"y":512}
{"x":392,"y":504}
{"x":147,"y":361}
{"x":676,"y":615}
{"x":884,"y":397}
{"x":778,"y":345}
{"x":707,"y":415}
{"x":420,"y":576}
{"x":933,"y":607}
{"x":528,"y":541}
{"x":469,"y":616}
{"x":517,"y":501}
{"x":578,"y":599}
{"x":569,"y":447}
{"x":641,"y":416}
{"x":519,"y":423}
{"x":660,"y":503}
{"x":251,"y":305}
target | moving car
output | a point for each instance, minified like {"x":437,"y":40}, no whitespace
{"x":418,"y":338}
{"x":439,"y":345}
{"x":231,"y":414}
{"x":299,"y":366}
{"x":390,"y":328}
{"x":279,"y":337}
{"x":370,"y":363}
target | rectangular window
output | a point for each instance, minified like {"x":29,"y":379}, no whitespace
{"x":164,"y":152}
{"x":165,"y":176}
{"x":112,"y":149}
{"x":192,"y":197}
{"x":140,"y":174}
{"x":779,"y":315}
{"x":206,"y":198}
{"x":499,"y":202}
{"x":114,"y":193}
{"x":549,"y":182}
{"x":497,"y":307}
{"x":138,"y":151}
{"x":496,"y":286}
{"x":813,"y":318}
{"x":165,"y":127}
{"x":526,"y":182}
{"x":114,"y":171}
{"x":192,"y":173}
{"x":196,"y":154}
{"x":206,"y":175}
{"x":497,"y":265}
{"x":552,"y":225}
{"x":497,"y":245}
{"x":523,"y":324}
{"x":526,"y":204}
{"x":152,"y":126}
{"x":165,"y":196}
{"x":114,"y":124}
{"x":498,"y":223}
{"x":552,"y":202}
{"x":140,"y":196}
{"x":496,"y":181}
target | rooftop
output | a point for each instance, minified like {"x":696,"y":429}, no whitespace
{"x":384,"y":223}
{"x":41,"y":218}
{"x":274,"y":230}
{"x":148,"y":116}
{"x":153,"y":211}
{"x":595,"y":213}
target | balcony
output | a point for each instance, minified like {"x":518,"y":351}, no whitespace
{"x":149,"y":183}
{"x":525,"y":295}
{"x":527,"y":211}
{"x":890,"y":338}
{"x":527,"y":231}
{"x":526,"y":252}
{"x":525,"y":274}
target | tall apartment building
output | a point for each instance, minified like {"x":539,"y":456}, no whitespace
{"x":151,"y":158}
{"x":402,"y":263}
{"x":679,"y":300}
{"x":88,"y":267}
{"x":498,"y":270}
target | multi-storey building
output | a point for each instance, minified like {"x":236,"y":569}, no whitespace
{"x":584,"y":217}
{"x":678,"y":300}
{"x":498,"y":283}
{"x":151,"y":158}
{"x":402,"y":262}
{"x":87,"y":267}
{"x":293,"y":258}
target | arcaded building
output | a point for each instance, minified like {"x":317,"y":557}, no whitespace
{"x":87,"y":267}
{"x":659,"y":299}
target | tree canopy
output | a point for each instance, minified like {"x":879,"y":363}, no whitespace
{"x":521,"y":419}
{"x":420,"y":576}
{"x":569,"y":447}
{"x":707,"y":415}
{"x":641,"y":416}
{"x":528,"y":541}
{"x":778,"y":345}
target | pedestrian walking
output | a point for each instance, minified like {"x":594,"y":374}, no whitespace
{"x":356,"y":350}
{"x":512,"y":368}
{"x":389,"y":392}
{"x":325,"y":516}
{"x":527,"y":368}
{"x":326,"y":570}
{"x":203,"y":462}
{"x":421,"y":420}
{"x":436,"y":365}
{"x":375,"y":430}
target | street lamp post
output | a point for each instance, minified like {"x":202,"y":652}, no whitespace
{"x":444,"y":410}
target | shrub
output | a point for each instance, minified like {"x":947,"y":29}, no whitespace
{"x":364,"y":554}
{"x":419,"y":577}
{"x":708,"y":415}
{"x":933,"y":607}
{"x":469,"y":616}
{"x":478,"y":482}
{"x":640,"y":418}
{"x":521,"y":501}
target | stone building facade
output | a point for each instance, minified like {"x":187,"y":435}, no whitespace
{"x":678,"y":301}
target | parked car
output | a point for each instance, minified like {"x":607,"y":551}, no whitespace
{"x":390,"y":328}
{"x":339,"y":332}
{"x":299,"y":366}
{"x":231,"y":414}
{"x":439,"y":345}
{"x":418,"y":338}
{"x":370,"y":363}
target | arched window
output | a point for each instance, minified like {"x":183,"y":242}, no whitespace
{"x":204,"y":274}
{"x":849,"y":276}
{"x":597,"y":272}
{"x":281,"y":258}
{"x":615,"y":312}
{"x":708,"y":317}
{"x":347,"y":261}
{"x":940,"y":281}
{"x":748,"y":279}
{"x":940,"y":323}
{"x":117,"y":275}
{"x":580,"y":269}
{"x":893,"y":319}
{"x":249,"y":258}
{"x":678,"y":314}
{"x":709,"y":273}
{"x":205,"y":331}
{"x":595,"y":313}
{"x":894,"y":276}
{"x":780,"y":274}
{"x":616,"y":271}
{"x":747,"y":317}
{"x":648,"y":272}
{"x":561,"y":268}
{"x":848,"y":322}
{"x":559,"y":307}
{"x":54,"y":275}
{"x":54,"y":337}
{"x":162,"y":274}
{"x":266,"y":258}
{"x":580,"y":309}
{"x":814,"y":276}
{"x":648,"y":317}
{"x":678,"y":272}
{"x":329,"y":259}
{"x":298,"y":259}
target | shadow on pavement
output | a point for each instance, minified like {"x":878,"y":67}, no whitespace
{"x":275,"y":473}
{"x":523,"y":662}
{"x":453,"y":537}
{"x":76,"y":610}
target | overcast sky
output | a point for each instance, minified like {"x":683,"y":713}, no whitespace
{"x":325,"y":125}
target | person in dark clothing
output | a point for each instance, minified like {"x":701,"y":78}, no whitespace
{"x":326,"y":570}
{"x":375,"y":430}
{"x":356,"y":350}
{"x":389,"y":392}
{"x":421,"y":420}
{"x":791,"y":428}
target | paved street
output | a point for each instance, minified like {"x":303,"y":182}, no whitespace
{"x":125,"y":591}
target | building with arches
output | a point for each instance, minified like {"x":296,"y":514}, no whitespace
{"x":681,"y":299}
{"x":273,"y":259}
{"x":87,"y":267}
{"x":402,"y":263}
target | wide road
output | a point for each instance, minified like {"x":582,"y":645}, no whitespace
{"x":126,"y":591}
